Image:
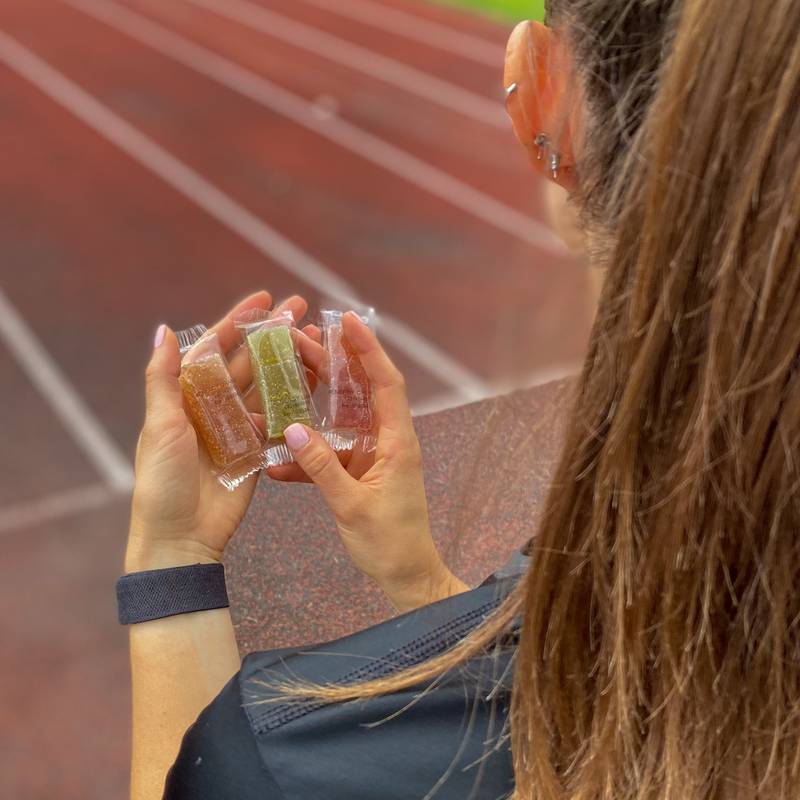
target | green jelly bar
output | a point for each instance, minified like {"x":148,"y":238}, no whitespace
{"x":272,"y":345}
{"x":277,"y":379}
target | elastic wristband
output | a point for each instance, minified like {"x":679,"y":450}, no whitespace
{"x":144,"y":596}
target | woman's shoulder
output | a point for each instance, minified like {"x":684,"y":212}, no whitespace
{"x":382,"y":649}
{"x":451,"y":730}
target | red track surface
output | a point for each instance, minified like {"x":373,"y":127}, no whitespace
{"x":95,"y":251}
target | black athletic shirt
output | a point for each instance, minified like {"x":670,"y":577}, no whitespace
{"x":449,"y":742}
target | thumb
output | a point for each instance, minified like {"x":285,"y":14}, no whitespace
{"x":319,"y":461}
{"x":164,"y":396}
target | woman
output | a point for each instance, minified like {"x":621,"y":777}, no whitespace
{"x":654,"y":641}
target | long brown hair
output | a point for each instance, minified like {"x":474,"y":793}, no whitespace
{"x":660,"y":649}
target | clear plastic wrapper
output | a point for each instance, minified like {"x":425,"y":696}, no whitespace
{"x":188,"y":337}
{"x":349,"y":415}
{"x":279,"y":377}
{"x":217,"y":409}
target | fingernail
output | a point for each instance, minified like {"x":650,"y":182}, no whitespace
{"x":160,"y":334}
{"x":296,"y":436}
{"x":359,"y":318}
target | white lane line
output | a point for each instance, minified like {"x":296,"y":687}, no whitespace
{"x":223,"y":208}
{"x":447,"y":400}
{"x":348,"y":136}
{"x":430,"y":33}
{"x":63,"y":399}
{"x":361,"y":59}
{"x":56,"y":506}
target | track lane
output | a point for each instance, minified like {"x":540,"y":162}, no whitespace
{"x":275,"y":98}
{"x":38,"y":457}
{"x":431,"y":271}
{"x":451,"y":16}
{"x":365,"y":60}
{"x":487,"y":159}
{"x":64,"y":661}
{"x":484,"y":79}
{"x":416,"y":29}
{"x":95,"y":252}
{"x":220,"y":206}
{"x":64,"y":401}
{"x":116,"y":270}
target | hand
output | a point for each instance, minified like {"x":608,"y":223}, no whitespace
{"x":382,"y":514}
{"x":181,"y":514}
{"x":314,"y":356}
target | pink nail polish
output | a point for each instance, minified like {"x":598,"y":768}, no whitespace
{"x":296,"y":436}
{"x":160,"y":334}
{"x":359,"y":318}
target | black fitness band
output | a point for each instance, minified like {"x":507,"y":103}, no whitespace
{"x":157,"y":593}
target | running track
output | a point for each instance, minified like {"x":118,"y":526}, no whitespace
{"x":162,"y":159}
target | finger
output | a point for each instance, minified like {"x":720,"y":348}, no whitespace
{"x":319,"y":461}
{"x":389,"y":384}
{"x":293,"y":473}
{"x":288,"y":473}
{"x":360,"y":462}
{"x":258,"y":421}
{"x":239,"y":365}
{"x":296,"y":304}
{"x":252,"y":402}
{"x":225,"y":329}
{"x":313,"y":333}
{"x":164,"y":395}
{"x":313,"y":353}
{"x":311,"y":380}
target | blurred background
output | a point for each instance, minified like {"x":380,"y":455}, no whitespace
{"x":162,"y":159}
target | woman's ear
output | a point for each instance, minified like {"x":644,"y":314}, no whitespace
{"x":542,"y":101}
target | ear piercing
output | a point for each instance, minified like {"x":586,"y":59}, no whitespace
{"x":554,"y":162}
{"x":541,"y":141}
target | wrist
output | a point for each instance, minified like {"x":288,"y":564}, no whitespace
{"x":422,"y":588}
{"x":144,"y":554}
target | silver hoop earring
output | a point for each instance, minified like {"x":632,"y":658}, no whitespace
{"x":511,"y":89}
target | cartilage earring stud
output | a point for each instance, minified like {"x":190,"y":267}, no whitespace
{"x":554,"y":162}
{"x":511,"y":89}
{"x":541,"y":141}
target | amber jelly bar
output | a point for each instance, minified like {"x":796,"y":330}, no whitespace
{"x":218,"y":414}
